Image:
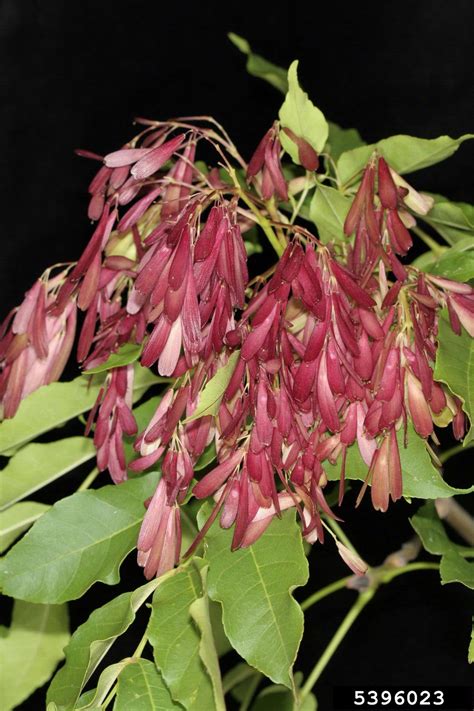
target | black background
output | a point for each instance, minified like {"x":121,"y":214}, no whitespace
{"x":74,"y":74}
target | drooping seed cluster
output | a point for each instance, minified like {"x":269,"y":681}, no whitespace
{"x":333,"y":347}
{"x":34,"y":344}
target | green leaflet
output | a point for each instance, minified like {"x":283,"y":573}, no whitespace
{"x":47,"y":408}
{"x":37,"y":465}
{"x":420,"y":478}
{"x":328,"y":211}
{"x":252,"y":247}
{"x":432,"y":533}
{"x":83,"y":700}
{"x":206,"y":458}
{"x":277,"y":697}
{"x":141,"y":688}
{"x":176,"y":640}
{"x":453,"y":220}
{"x":237,"y":675}
{"x":254,"y":587}
{"x":143,"y":414}
{"x":106,"y":681}
{"x":18,"y":519}
{"x":456,"y":569}
{"x":220,"y":640}
{"x":455,"y":366}
{"x":126,"y":354}
{"x":455,"y":263}
{"x":31,"y":649}
{"x":425,"y":261}
{"x":405,"y":154}
{"x":144,"y":379}
{"x":252,"y":241}
{"x":98,"y":527}
{"x":342,"y":139}
{"x":210,"y":398}
{"x":199,"y":610}
{"x":52,"y":405}
{"x":91,"y":642}
{"x":300,"y":115}
{"x":470,"y":654}
{"x":260,"y":67}
{"x":351,"y":163}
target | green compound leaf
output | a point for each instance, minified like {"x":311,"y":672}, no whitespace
{"x":421,"y":479}
{"x":260,"y":67}
{"x":455,"y":366}
{"x":31,"y":650}
{"x":81,"y":540}
{"x":405,"y":154}
{"x":432,"y":533}
{"x":176,"y":640}
{"x":211,"y":396}
{"x":342,"y":139}
{"x":91,"y":641}
{"x":37,"y":465}
{"x":126,"y":354}
{"x":301,"y":116}
{"x":141,"y":688}
{"x":328,"y":210}
{"x":254,"y":587}
{"x":456,"y":569}
{"x":18,"y":519}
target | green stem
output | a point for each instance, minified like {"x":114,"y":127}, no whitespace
{"x":89,"y":479}
{"x":277,"y":245}
{"x":341,"y":535}
{"x":328,"y":590}
{"x":264,"y":224}
{"x":251,"y":689}
{"x":245,"y":673}
{"x":141,"y":645}
{"x":109,"y":697}
{"x":136,"y":655}
{"x":457,"y":449}
{"x":187,"y":518}
{"x":389,"y":575}
{"x":299,"y":204}
{"x":438,"y":249}
{"x":273,"y":212}
{"x":363,"y":599}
